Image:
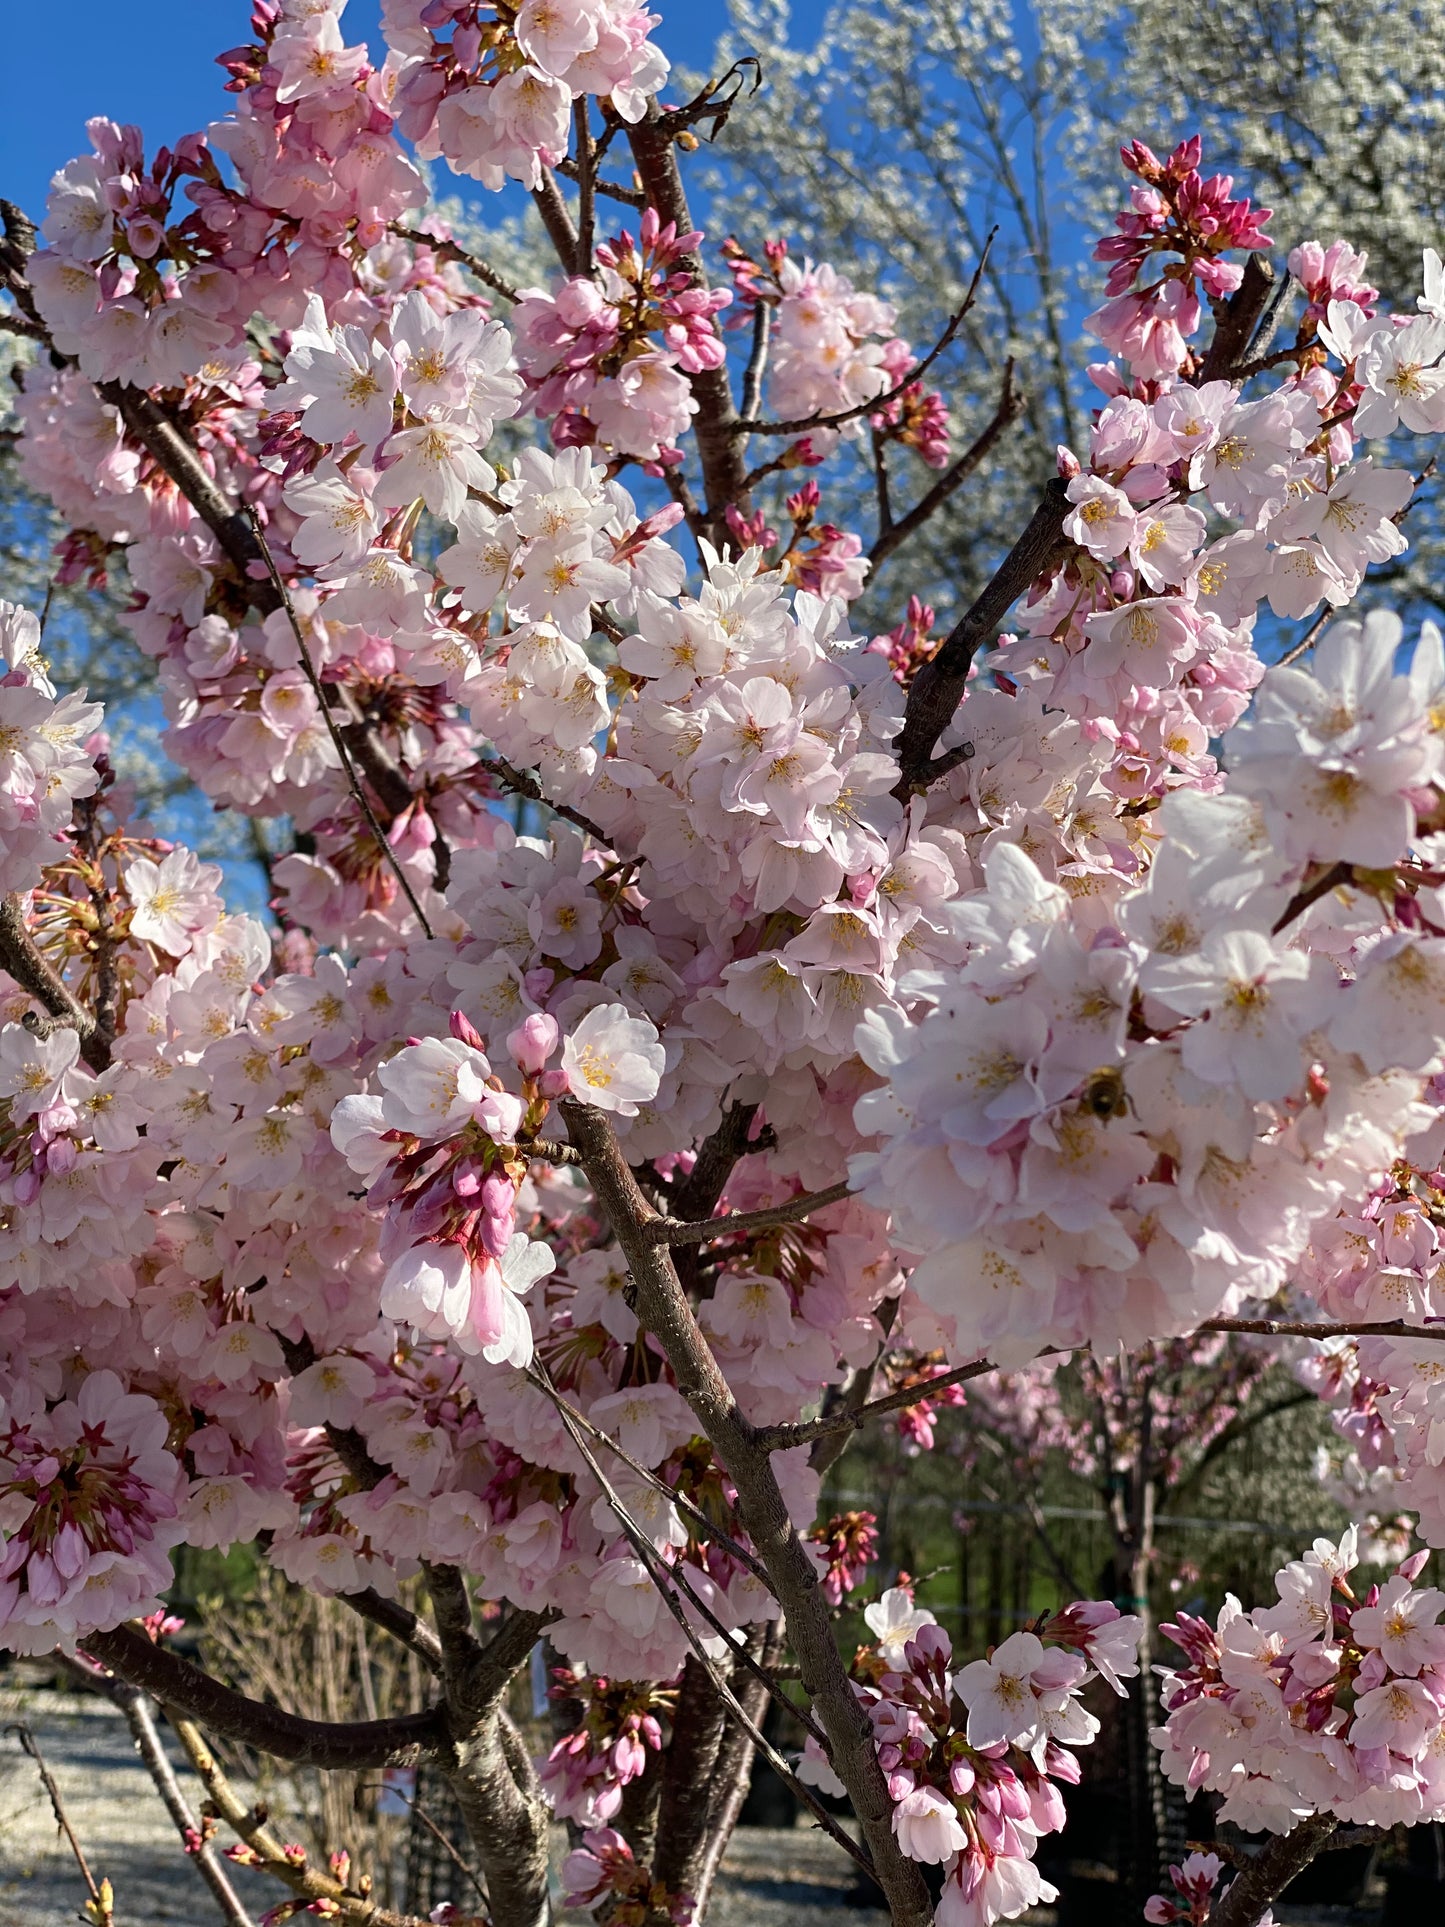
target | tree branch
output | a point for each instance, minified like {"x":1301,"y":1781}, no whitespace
{"x":757,"y":367}
{"x":137,"y":1710}
{"x":586,"y":184}
{"x":1302,"y":1328}
{"x":1012,"y":403}
{"x":678,"y":1231}
{"x":719,"y":446}
{"x":803,"y":423}
{"x":286,"y":1736}
{"x":778,"y":1438}
{"x":663,"y":1308}
{"x":1247,"y":1899}
{"x":22,"y":959}
{"x":464,"y":258}
{"x":1236,"y":322}
{"x":939,"y":684}
{"x":249,"y":1824}
{"x":557,"y":220}
{"x":338,"y":740}
{"x":399,"y":1621}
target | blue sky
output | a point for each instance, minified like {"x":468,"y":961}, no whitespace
{"x":155,"y":64}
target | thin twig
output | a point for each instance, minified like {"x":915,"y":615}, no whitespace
{"x":664,"y":1577}
{"x":1012,"y":403}
{"x":803,"y":424}
{"x":1308,"y":639}
{"x":29,"y":1744}
{"x":545,"y":1383}
{"x":778,"y":1438}
{"x":431,"y":1826}
{"x":338,"y":741}
{"x":676,"y":1231}
{"x":474,"y":264}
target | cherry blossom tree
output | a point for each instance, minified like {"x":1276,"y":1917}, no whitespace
{"x":531,"y":1214}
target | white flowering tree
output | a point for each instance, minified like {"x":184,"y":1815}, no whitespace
{"x":538,"y":1216}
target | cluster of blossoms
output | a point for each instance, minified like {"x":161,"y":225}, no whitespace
{"x":832,"y":349}
{"x":586,"y":351}
{"x":44,"y":767}
{"x":1102,"y":1037}
{"x":1172,"y":210}
{"x":1322,"y":1703}
{"x":141,"y":289}
{"x":973,"y":1756}
{"x":587,"y":1769}
{"x":605,"y":1875}
{"x":489,"y":88}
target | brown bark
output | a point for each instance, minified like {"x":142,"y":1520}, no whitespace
{"x":663,"y":1308}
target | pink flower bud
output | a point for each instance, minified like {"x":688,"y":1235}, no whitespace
{"x":465,"y":1031}
{"x":533,"y":1042}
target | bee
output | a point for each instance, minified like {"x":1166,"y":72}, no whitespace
{"x":1104,"y":1094}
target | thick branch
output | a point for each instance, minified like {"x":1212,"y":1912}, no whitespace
{"x":1302,"y":1328}
{"x":1247,"y":1898}
{"x":719,"y":446}
{"x":21,"y":958}
{"x":662,"y":1307}
{"x":286,"y":1736}
{"x":939,"y":685}
{"x":1235,"y":326}
{"x":677,"y":1231}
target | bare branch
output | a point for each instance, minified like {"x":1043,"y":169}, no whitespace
{"x":1012,"y":403}
{"x":1302,"y":1328}
{"x":474,"y":264}
{"x":676,"y":1231}
{"x":399,"y":1621}
{"x":557,"y":220}
{"x":778,"y":1438}
{"x":757,"y":367}
{"x":586,"y":185}
{"x":31,"y":1746}
{"x":286,"y":1736}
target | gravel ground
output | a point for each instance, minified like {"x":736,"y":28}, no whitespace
{"x":770,"y":1877}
